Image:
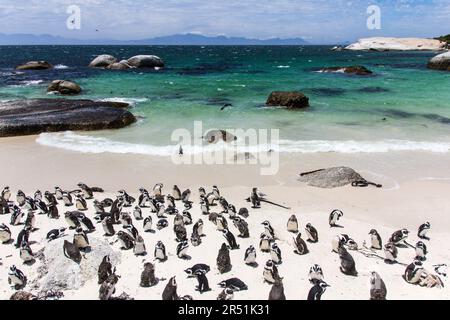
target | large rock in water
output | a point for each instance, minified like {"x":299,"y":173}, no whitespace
{"x":397,"y":44}
{"x":57,"y":272}
{"x":102,"y":61}
{"x":121,"y":65}
{"x":356,"y":70}
{"x":25,"y":117}
{"x":35,"y":65}
{"x":440,"y":62}
{"x":146,"y":61}
{"x":331,"y":177}
{"x":288,"y":99}
{"x":64,"y":87}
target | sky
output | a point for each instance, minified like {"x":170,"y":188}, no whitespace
{"x":317,"y":21}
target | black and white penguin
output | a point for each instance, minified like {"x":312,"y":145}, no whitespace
{"x":139,"y":246}
{"x":125,"y":239}
{"x":157,"y":190}
{"x":55,"y":234}
{"x":147,"y":225}
{"x":132,"y":230}
{"x":377,"y":287}
{"x":228,"y":235}
{"x":180,"y":233}
{"x":268,"y":230}
{"x":292,"y":224}
{"x":196,"y":240}
{"x":80,"y":202}
{"x":347,"y":263}
{"x":148,"y":278}
{"x":6,"y":194}
{"x":16,"y":216}
{"x":315,"y":274}
{"x":104,"y":269}
{"x":20,"y":198}
{"x":182,"y":248}
{"x":162,"y":223}
{"x":223,"y":259}
{"x":391,"y":252}
{"x":108,"y":226}
{"x":71,"y":251}
{"x":50,"y":197}
{"x":197,"y":267}
{"x":144,"y":197}
{"x":85,"y":221}
{"x":187,"y":218}
{"x":125,"y":219}
{"x":300,"y":245}
{"x":242,"y":226}
{"x":255,"y":199}
{"x":231,"y":210}
{"x":421,"y":251}
{"x":211,"y":198}
{"x":335,"y":215}
{"x":178,"y":220}
{"x":38,"y":195}
{"x":67,"y":199}
{"x":226,"y":294}
{"x":423,"y":230}
{"x":270,"y":272}
{"x":216,"y":192}
{"x":30,"y":221}
{"x":116,"y":209}
{"x":16,"y":278}
{"x":160,"y":251}
{"x":30,"y":204}
{"x":413,"y":272}
{"x":153,"y":205}
{"x":265,"y":243}
{"x":204,"y":207}
{"x":127,"y":199}
{"x":243,"y":212}
{"x":176,"y":193}
{"x":223,"y":204}
{"x":277,"y":291}
{"x":198,"y":228}
{"x":108,"y":287}
{"x":275,"y":253}
{"x":23,"y":236}
{"x":4,"y":207}
{"x":316,"y":292}
{"x":5,"y":233}
{"x":342,"y":239}
{"x":72,"y":219}
{"x":41,"y":207}
{"x":53,"y":212}
{"x":221,"y":222}
{"x":203,"y":284}
{"x":161,"y":210}
{"x":58,"y":193}
{"x":250,"y":256}
{"x":399,"y":236}
{"x":186,"y":195}
{"x":170,"y":291}
{"x":311,"y":232}
{"x":26,"y":254}
{"x":375,"y":240}
{"x":88,"y":192}
{"x":80,"y":239}
{"x":170,"y":201}
{"x":234,"y":283}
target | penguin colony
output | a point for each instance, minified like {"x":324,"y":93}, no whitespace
{"x":125,"y":220}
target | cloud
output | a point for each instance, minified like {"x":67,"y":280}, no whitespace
{"x":320,"y":20}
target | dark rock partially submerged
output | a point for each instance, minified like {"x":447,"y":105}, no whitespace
{"x":331,"y":177}
{"x":35,"y":65}
{"x":288,"y":99}
{"x":26,"y":117}
{"x":214,"y":136}
{"x":356,"y":70}
{"x":64,"y":87}
{"x":440,"y":62}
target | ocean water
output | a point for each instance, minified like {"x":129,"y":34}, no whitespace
{"x":403,"y":106}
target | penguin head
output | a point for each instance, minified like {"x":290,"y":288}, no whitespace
{"x":266,"y":224}
{"x":189,"y":271}
{"x":373,"y":232}
{"x":427,"y":225}
{"x":201,"y":190}
{"x":269,"y":264}
{"x":79,"y":230}
{"x":225,"y":231}
{"x":13,"y":268}
{"x":173,"y":281}
{"x":420,"y":244}
{"x":274,"y":246}
{"x":404,"y":232}
{"x":222,"y":284}
{"x":323,"y":285}
{"x":6,"y":188}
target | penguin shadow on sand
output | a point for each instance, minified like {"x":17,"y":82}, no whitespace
{"x":336,"y":226}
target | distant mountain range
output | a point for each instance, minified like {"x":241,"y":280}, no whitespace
{"x":177,"y":39}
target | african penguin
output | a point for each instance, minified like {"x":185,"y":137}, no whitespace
{"x":316,"y":292}
{"x":230,"y":239}
{"x":311,"y":232}
{"x":377,"y":287}
{"x":223,"y":259}
{"x":300,"y":245}
{"x":292,"y":224}
{"x":170,"y":291}
{"x":423,"y":230}
{"x":160,"y":251}
{"x":250,"y":256}
{"x":148,"y":278}
{"x":335,"y":215}
{"x":375,"y":240}
{"x":104,"y":269}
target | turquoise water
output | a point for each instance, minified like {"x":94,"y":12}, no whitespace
{"x":403,"y":105}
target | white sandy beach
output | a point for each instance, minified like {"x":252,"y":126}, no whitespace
{"x":415,"y":189}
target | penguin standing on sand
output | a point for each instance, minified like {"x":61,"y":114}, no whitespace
{"x":50,"y":197}
{"x":176,"y":193}
{"x":20,"y":198}
{"x":144,"y":197}
{"x":157,"y":190}
{"x":16,"y":278}
{"x":223,"y":259}
{"x":16,"y":216}
{"x":277,"y":291}
{"x":26,"y":254}
{"x":105,"y":269}
{"x":242,"y":226}
{"x":275,"y":253}
{"x":423,"y":230}
{"x":148,"y":278}
{"x":53,"y":212}
{"x":6,"y":194}
{"x":347,"y":262}
{"x":221,"y":222}
{"x":421,"y":251}
{"x":204,"y":206}
{"x":315,"y":274}
{"x":311,"y":232}
{"x":399,"y":236}
{"x":5,"y":233}
{"x":58,"y":193}
{"x":187,"y":218}
{"x":300,"y":245}
{"x":292,"y":224}
{"x":180,"y":233}
{"x":160,"y":251}
{"x":268,"y":230}
{"x":137,"y":213}
{"x":108,"y":226}
{"x":317,"y":291}
{"x":234,"y":283}
{"x":377,"y":287}
{"x":23,"y":236}
{"x":55,"y":234}
{"x":80,"y":239}
{"x":71,"y":251}
{"x":182,"y":248}
{"x":162,"y":223}
{"x":198,"y":228}
{"x":108,"y":287}
{"x":250,"y":256}
{"x":30,"y":220}
{"x":270,"y":272}
{"x":127,"y":199}
{"x":67,"y":199}
{"x":88,"y":192}
{"x":375,"y":240}
{"x":203,"y":284}
{"x":85,"y":222}
{"x":147,"y":225}
{"x":80,"y":203}
{"x":139,"y":246}
{"x":170,"y":291}
{"x":413,"y":272}
{"x":126,"y":240}
{"x":199,"y":266}
{"x":230,"y":239}
{"x":391,"y":252}
{"x":186,"y":195}
{"x":196,"y":240}
{"x":335,"y":215}
{"x":254,"y":199}
{"x":265,"y":243}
